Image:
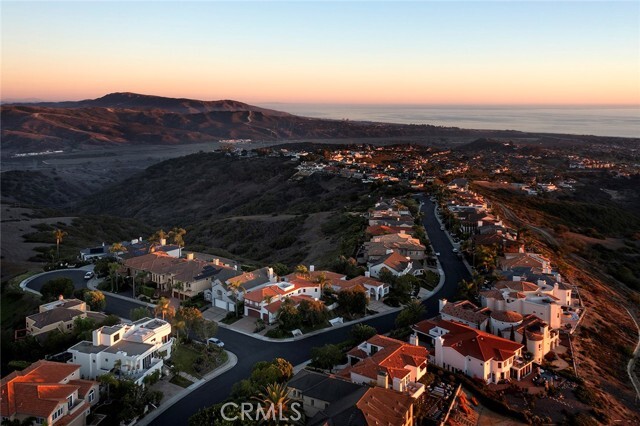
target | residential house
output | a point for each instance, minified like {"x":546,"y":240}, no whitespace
{"x":229,"y":287}
{"x":527,"y":260}
{"x":183,"y":277}
{"x":388,"y":363}
{"x":97,"y":252}
{"x":403,"y":244}
{"x":59,"y":315}
{"x":478,"y":354}
{"x":464,"y":312}
{"x":50,"y":392}
{"x":329,"y":401}
{"x":133,"y":350}
{"x":264,"y":302}
{"x":394,"y":262}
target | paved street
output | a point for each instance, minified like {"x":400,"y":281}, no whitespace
{"x":250,"y":350}
{"x":115,"y":305}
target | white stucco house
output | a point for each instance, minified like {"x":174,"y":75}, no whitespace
{"x":137,"y":349}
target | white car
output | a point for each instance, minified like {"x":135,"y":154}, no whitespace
{"x":455,"y":250}
{"x":214,"y":341}
{"x":437,"y":253}
{"x":442,"y":228}
{"x":89,"y":275}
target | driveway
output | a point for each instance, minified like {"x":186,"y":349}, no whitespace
{"x":250,"y":350}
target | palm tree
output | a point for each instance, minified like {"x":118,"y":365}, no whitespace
{"x":141,"y":275}
{"x":236,"y":288}
{"x":113,"y":274}
{"x":302,"y":271}
{"x":177,"y":235}
{"x":274,"y":399}
{"x":164,"y":308}
{"x":117,"y":248}
{"x":178,"y":326}
{"x":159,"y":235}
{"x":323,"y":282}
{"x":59,"y":234}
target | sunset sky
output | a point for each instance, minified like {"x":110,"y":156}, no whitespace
{"x":327,"y":52}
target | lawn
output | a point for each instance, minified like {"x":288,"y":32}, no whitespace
{"x":180,"y":381}
{"x":197,"y":360}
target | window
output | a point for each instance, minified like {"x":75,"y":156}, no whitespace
{"x":70,"y":402}
{"x":69,"y":326}
{"x":92,"y":395}
{"x":499,"y":365}
{"x":116,"y":337}
{"x":58,"y":413}
{"x":40,"y":420}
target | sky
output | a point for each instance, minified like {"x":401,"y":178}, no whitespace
{"x":420,"y":52}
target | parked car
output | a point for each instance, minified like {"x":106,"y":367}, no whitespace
{"x":214,"y":341}
{"x":89,"y":275}
{"x":455,"y":250}
{"x":437,"y":253}
{"x":442,"y":228}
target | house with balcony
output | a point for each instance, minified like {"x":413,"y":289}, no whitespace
{"x":388,"y":363}
{"x":228,"y":288}
{"x":393,"y":262}
{"x":131,"y":350}
{"x":465,"y":312}
{"x":264,"y":302}
{"x":478,"y":354}
{"x":51,"y":393}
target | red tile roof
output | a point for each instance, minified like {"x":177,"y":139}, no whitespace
{"x":384,"y":407}
{"x":471,"y":342}
{"x":392,"y":358}
{"x":37,"y":390}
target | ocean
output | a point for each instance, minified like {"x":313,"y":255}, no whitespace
{"x":587,"y":120}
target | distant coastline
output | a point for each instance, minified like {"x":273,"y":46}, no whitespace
{"x":621,"y":121}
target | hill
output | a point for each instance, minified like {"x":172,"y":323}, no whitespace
{"x":128,"y":118}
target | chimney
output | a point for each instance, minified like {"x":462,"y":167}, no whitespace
{"x":235,"y":267}
{"x":441,"y":304}
{"x":413,"y":340}
{"x":312,"y":268}
{"x":139,"y":238}
{"x":383,"y":379}
{"x":163,"y":241}
{"x":60,"y":297}
{"x":216,"y":261}
{"x":272,"y":276}
{"x":103,"y":244}
{"x":367,"y":274}
{"x":189,"y":256}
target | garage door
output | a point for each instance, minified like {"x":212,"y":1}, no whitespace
{"x":221,"y":304}
{"x":253,"y":313}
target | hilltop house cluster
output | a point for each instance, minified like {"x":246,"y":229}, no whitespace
{"x":391,"y":246}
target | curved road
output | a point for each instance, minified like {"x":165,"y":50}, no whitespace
{"x":250,"y":350}
{"x":115,"y":305}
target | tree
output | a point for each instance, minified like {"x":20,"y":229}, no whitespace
{"x":177,"y":236}
{"x":59,"y":234}
{"x":136,"y":314}
{"x":302,"y":271}
{"x":327,"y":356}
{"x":312,"y":312}
{"x":83,"y":328}
{"x":57,"y":287}
{"x":361,"y":332}
{"x":280,"y":269}
{"x":113,"y":274}
{"x":117,"y":248}
{"x":411,"y":314}
{"x":95,"y":299}
{"x":386,"y":276}
{"x":236,"y":287}
{"x":288,"y":316}
{"x":164,"y":308}
{"x":140,"y":276}
{"x":524,"y":339}
{"x":323,"y":282}
{"x":190,"y":316}
{"x":353,"y":300}
{"x":275,"y":402}
{"x":512,"y":336}
{"x":205,"y":329}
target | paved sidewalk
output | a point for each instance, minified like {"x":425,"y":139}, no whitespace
{"x":231,"y":362}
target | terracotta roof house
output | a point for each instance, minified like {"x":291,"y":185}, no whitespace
{"x":384,"y":407}
{"x":540,"y":339}
{"x":476,"y":353}
{"x":264,"y":302}
{"x":59,"y":315}
{"x":184,"y":277}
{"x":50,"y":392}
{"x":393,"y":262}
{"x":388,"y":363}
{"x":465,"y":312}
{"x":226,"y":290}
{"x":527,"y":260}
{"x":376,"y":230}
